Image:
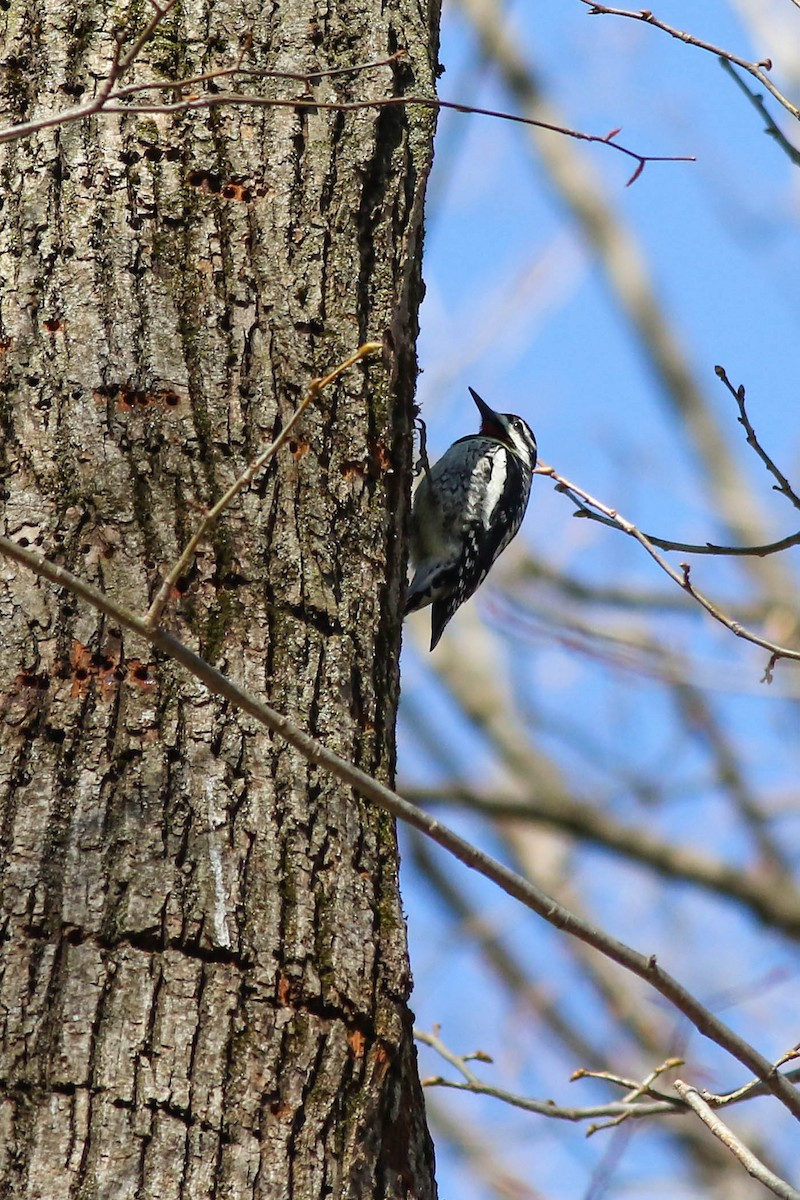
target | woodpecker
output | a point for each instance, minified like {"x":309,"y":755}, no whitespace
{"x":465,"y":512}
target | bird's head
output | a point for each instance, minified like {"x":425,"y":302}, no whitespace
{"x":511,"y":430}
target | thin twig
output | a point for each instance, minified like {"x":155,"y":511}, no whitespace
{"x":144,"y":37}
{"x":109,"y":101}
{"x":752,"y":1165}
{"x":755,"y":1087}
{"x":214,"y":100}
{"x":315,"y":389}
{"x":527,"y":893}
{"x":108,"y":92}
{"x":633,"y":1088}
{"x":757,"y":70}
{"x":308,"y":77}
{"x":778,"y":906}
{"x":588,"y":506}
{"x":637,"y":1090}
{"x":117,"y":68}
{"x":772,"y":130}
{"x":632,"y":1104}
{"x":616,"y":1109}
{"x":768,"y":548}
{"x":783,"y":485}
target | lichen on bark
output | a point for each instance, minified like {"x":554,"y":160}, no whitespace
{"x":204,"y":971}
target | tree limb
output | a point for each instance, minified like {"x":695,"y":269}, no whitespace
{"x":589,"y":506}
{"x":757,"y":70}
{"x":527,"y":893}
{"x":754,"y":1166}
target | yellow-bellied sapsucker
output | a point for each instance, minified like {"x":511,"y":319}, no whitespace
{"x":465,"y":512}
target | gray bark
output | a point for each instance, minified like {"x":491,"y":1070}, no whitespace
{"x":204,"y":968}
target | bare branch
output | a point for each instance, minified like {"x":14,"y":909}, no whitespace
{"x":108,"y":91}
{"x":754,"y":1088}
{"x":757,"y":101}
{"x":776,"y":905}
{"x":508,"y":965}
{"x":783,"y":485}
{"x":786,"y":543}
{"x":216,"y":99}
{"x":119,"y":65}
{"x":635,"y":1092}
{"x":757,"y":70}
{"x":588,"y":506}
{"x":630,"y":1106}
{"x":309,"y":78}
{"x":752,"y":1165}
{"x":108,"y":100}
{"x":526,"y":892}
{"x":635,"y":1089}
{"x":641,"y":1099}
{"x":127,"y":60}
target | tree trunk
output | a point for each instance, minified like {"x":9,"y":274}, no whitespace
{"x":204,"y":968}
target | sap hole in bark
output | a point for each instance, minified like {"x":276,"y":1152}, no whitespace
{"x":237,"y":191}
{"x":27,"y":679}
{"x":207,"y":181}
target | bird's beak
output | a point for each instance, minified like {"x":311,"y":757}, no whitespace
{"x":490,"y":425}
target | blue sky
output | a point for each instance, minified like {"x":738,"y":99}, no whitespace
{"x":518,"y":307}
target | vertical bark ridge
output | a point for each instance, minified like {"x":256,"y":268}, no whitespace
{"x":204,"y":978}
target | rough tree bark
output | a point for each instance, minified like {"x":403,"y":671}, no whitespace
{"x":204,"y":967}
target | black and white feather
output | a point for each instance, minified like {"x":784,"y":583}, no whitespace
{"x":465,"y":512}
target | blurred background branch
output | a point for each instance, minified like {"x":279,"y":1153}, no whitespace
{"x":589,"y":727}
